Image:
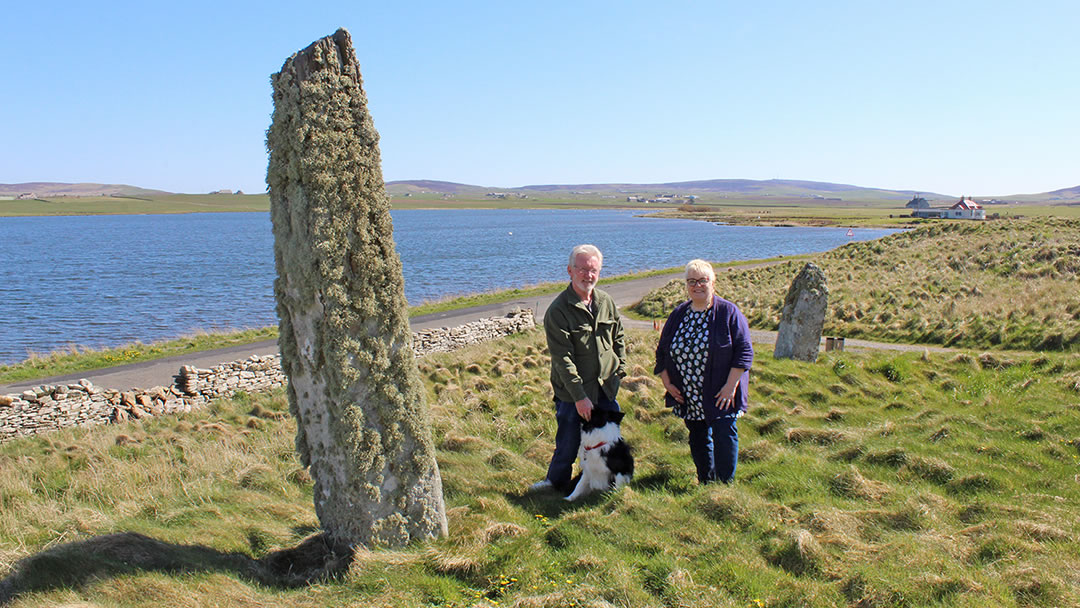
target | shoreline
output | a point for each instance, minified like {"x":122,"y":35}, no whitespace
{"x":723,"y":220}
{"x":124,"y":353}
{"x":73,"y":355}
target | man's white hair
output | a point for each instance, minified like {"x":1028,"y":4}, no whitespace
{"x":701,"y":267}
{"x":589,"y":250}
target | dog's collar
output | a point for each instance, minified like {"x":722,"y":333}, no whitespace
{"x":590,"y":448}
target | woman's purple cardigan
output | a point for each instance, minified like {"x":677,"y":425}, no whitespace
{"x":729,"y":346}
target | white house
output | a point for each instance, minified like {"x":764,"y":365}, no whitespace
{"x":966,"y":210}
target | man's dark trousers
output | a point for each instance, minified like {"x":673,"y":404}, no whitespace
{"x":568,"y":440}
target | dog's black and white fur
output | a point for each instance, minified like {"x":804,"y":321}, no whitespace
{"x":606,"y":461}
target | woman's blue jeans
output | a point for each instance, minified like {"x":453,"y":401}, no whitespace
{"x":714,"y":446}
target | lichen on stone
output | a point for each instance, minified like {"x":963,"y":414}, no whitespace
{"x":345,"y":339}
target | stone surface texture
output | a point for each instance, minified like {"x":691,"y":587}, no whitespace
{"x":803,"y":318}
{"x":354,"y":389}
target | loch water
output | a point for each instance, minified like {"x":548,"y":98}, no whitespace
{"x":109,"y":280}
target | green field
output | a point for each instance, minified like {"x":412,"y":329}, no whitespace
{"x":994,"y":284}
{"x":869,"y":210}
{"x":855,"y":214}
{"x":111,"y":205}
{"x":865,"y":480}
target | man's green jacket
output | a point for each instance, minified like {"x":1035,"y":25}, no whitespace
{"x":588,"y":351}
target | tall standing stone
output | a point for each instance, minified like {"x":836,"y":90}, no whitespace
{"x":345,"y":342}
{"x":803,"y":318}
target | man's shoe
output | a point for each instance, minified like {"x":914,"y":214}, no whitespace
{"x":543,"y":484}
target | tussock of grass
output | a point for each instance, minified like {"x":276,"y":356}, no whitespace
{"x":978,"y":482}
{"x":818,"y":436}
{"x":931,"y":469}
{"x":852,"y":484}
{"x":798,"y":553}
{"x":839,"y":500}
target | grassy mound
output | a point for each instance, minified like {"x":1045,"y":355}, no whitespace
{"x":1001,"y":284}
{"x":865,"y":479}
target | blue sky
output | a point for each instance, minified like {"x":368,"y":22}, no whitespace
{"x":976,"y":98}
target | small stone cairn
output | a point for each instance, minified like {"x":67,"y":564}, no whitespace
{"x":803,"y":317}
{"x":51,"y":407}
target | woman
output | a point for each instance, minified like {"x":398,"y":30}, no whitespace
{"x":704,"y":358}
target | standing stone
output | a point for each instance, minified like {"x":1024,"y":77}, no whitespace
{"x":803,"y":317}
{"x":344,"y":332}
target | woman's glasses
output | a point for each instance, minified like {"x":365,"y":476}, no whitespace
{"x":697,"y":282}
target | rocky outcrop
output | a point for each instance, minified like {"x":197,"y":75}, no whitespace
{"x":803,"y":318}
{"x":49,"y":408}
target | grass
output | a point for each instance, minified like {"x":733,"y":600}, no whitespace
{"x":857,"y":213}
{"x":863,"y":208}
{"x":865,"y":479}
{"x":796,"y":213}
{"x":214,"y":203}
{"x":150,"y":204}
{"x":78,"y":359}
{"x":1000,"y":284}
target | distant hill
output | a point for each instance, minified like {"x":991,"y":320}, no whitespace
{"x":419,"y":186}
{"x":770,"y":187}
{"x":1066,"y":193}
{"x":746,"y":187}
{"x":721,"y":187}
{"x":54,"y":189}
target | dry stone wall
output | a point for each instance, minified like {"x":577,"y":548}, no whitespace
{"x":50,"y":407}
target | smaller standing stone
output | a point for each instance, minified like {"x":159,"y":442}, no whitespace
{"x":803,"y":317}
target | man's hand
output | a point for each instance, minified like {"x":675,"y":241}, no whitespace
{"x":584,"y":408}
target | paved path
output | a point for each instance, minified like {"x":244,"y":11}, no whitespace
{"x":160,"y":372}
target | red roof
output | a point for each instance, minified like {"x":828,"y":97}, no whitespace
{"x":966,"y":204}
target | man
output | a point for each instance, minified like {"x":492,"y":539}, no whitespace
{"x":588,"y":358}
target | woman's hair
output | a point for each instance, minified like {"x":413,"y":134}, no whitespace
{"x":589,"y":250}
{"x":702,"y":267}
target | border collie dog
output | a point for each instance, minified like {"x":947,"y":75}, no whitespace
{"x":606,"y":461}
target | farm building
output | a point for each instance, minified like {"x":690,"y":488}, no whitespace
{"x":964,"y":209}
